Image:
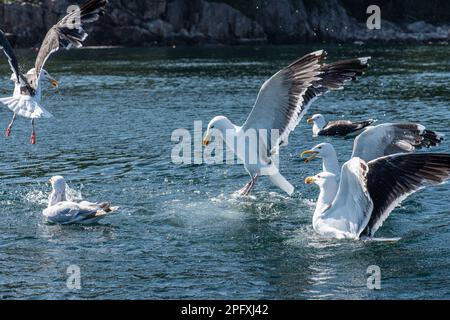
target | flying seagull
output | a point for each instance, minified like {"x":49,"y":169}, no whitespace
{"x":27,"y":92}
{"x":377,"y":141}
{"x":369,"y":191}
{"x":61,"y":211}
{"x":281,"y":103}
{"x":321,"y":127}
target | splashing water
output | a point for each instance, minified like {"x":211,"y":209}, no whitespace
{"x":180,"y":232}
{"x":40,"y":197}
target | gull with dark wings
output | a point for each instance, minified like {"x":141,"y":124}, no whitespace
{"x":321,"y":127}
{"x":357,"y":205}
{"x":68,"y":32}
{"x":377,"y":141}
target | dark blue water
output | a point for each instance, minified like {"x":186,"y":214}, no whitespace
{"x":180,"y":233}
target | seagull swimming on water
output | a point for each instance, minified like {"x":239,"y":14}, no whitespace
{"x":367,"y":192}
{"x":281,"y":103}
{"x":377,"y":141}
{"x":321,"y":127}
{"x":61,"y":211}
{"x":27,"y":92}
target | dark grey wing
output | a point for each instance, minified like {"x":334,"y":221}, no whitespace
{"x":393,"y":178}
{"x":14,"y":63}
{"x":391,"y":138}
{"x":338,"y":128}
{"x":343,"y":127}
{"x":9,"y":52}
{"x":69,"y":32}
{"x":286,"y":96}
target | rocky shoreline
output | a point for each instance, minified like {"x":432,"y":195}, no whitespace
{"x":196,"y":22}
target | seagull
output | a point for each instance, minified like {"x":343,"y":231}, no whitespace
{"x":377,"y":141}
{"x":61,"y":211}
{"x":368,"y":192}
{"x":281,"y":103}
{"x":321,"y":127}
{"x":27,"y":92}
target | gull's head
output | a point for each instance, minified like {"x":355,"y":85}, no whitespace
{"x":219,"y":123}
{"x":322,"y":179}
{"x":49,"y":78}
{"x":58,"y":184}
{"x":44,"y":75}
{"x":322,"y":150}
{"x":318,"y":120}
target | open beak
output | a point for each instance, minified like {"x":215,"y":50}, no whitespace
{"x":310,"y":120}
{"x":206,"y":141}
{"x":53,"y":82}
{"x":311,"y":152}
{"x":310,"y":180}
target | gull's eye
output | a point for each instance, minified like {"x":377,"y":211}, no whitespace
{"x":319,"y":148}
{"x":212,"y":127}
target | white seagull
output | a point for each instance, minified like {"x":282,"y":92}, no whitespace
{"x":321,"y":127}
{"x":369,"y":191}
{"x":281,"y":103}
{"x":377,"y":141}
{"x":68,"y":33}
{"x":61,"y":211}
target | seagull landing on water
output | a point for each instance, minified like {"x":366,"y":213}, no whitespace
{"x":367,"y":193}
{"x":321,"y":127}
{"x":26,"y":98}
{"x":281,"y":103}
{"x":61,"y":211}
{"x":377,"y":141}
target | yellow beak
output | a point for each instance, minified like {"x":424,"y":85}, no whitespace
{"x":54,"y":83}
{"x":309,"y":180}
{"x":311,"y":152}
{"x":310,"y":120}
{"x":205,"y":141}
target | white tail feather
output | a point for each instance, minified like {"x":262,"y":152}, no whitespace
{"x":278,"y":180}
{"x":26,"y":107}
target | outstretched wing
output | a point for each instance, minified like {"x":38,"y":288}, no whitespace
{"x":391,"y":138}
{"x":14,"y":63}
{"x":9,"y":52}
{"x":393,"y":178}
{"x":69,"y":32}
{"x":352,"y":205}
{"x":286,"y":96}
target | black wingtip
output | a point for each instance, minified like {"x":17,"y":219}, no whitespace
{"x":431,"y":138}
{"x":316,"y":56}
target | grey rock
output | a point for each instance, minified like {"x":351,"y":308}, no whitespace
{"x":160,"y":28}
{"x":420,"y":26}
{"x":138,"y":22}
{"x":285,"y":23}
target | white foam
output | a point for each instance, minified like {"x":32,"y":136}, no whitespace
{"x":40,"y":197}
